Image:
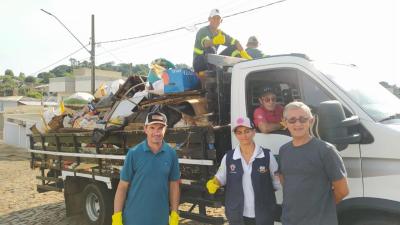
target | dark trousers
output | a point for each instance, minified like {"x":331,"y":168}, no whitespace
{"x":249,"y":221}
{"x":200,"y":61}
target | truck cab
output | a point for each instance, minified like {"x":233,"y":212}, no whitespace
{"x":371,"y":121}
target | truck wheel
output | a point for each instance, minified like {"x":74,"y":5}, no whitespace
{"x":97,"y":204}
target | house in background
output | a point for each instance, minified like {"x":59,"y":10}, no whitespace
{"x":18,"y":114}
{"x":9,"y":101}
{"x":17,"y":123}
{"x":81,"y":81}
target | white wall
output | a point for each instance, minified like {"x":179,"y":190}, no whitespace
{"x":62,"y":84}
{"x":84,"y":83}
{"x":15,"y":130}
{"x":7,"y":104}
{"x":14,"y":134}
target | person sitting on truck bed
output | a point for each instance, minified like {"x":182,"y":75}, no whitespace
{"x":248,"y":173}
{"x":150,"y":177}
{"x":252,"y":49}
{"x":268,"y":116}
{"x":209,"y":38}
{"x":312,"y":173}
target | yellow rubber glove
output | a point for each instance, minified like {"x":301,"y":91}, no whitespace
{"x":283,"y":125}
{"x":173,"y":218}
{"x":212,"y":185}
{"x":245,"y":55}
{"x":117,"y":218}
{"x":219,"y":39}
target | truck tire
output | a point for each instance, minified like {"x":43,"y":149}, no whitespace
{"x":374,"y":219}
{"x":97,"y":204}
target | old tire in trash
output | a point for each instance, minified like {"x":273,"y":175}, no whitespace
{"x":97,"y":204}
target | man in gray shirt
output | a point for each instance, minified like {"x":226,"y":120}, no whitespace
{"x":312,"y":173}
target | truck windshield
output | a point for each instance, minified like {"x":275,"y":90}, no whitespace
{"x":372,"y":97}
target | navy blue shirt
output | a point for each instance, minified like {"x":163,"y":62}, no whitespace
{"x":149,"y":174}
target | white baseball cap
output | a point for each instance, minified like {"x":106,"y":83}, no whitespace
{"x":156,"y":117}
{"x":242,"y":121}
{"x":214,"y":12}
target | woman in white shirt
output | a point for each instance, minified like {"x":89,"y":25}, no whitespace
{"x":248,"y":174}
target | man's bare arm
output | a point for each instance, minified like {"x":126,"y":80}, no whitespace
{"x":281,"y":179}
{"x":120,"y":195}
{"x":340,"y":189}
{"x":174,"y":195}
{"x":266,"y":127}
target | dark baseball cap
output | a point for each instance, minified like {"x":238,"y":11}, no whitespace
{"x":156,"y":117}
{"x":266,"y":90}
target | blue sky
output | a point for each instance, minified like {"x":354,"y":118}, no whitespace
{"x":365,"y":33}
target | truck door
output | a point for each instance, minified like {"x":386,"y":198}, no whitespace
{"x":297,"y":84}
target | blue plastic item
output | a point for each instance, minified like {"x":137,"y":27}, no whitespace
{"x":180,"y":80}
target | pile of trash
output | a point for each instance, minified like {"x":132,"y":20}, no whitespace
{"x":123,"y":105}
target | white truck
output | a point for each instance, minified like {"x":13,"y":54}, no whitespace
{"x":357,"y":115}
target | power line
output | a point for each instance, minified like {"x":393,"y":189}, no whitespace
{"x":110,"y":53}
{"x":69,"y":55}
{"x":67,"y":29}
{"x":155,"y":34}
{"x":185,"y":28}
{"x":139,"y":43}
{"x":256,"y":8}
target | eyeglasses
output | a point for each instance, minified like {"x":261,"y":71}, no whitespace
{"x":301,"y":119}
{"x":247,"y":131}
{"x":268,"y":99}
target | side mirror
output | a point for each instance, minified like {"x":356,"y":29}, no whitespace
{"x":333,"y":126}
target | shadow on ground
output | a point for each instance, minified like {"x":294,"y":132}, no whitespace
{"x":50,"y":214}
{"x":12,"y":153}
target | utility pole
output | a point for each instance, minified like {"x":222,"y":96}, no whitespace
{"x":92,"y":52}
{"x":92,"y":58}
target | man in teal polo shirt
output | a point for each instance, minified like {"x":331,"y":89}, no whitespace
{"x":209,"y":38}
{"x":149,"y":183}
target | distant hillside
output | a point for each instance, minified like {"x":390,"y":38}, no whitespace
{"x":392,"y":88}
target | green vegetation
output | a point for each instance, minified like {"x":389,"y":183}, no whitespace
{"x":392,"y":88}
{"x":34,"y":94}
{"x":74,"y":101}
{"x":24,"y":85}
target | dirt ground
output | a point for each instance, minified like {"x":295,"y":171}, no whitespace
{"x":21,"y":204}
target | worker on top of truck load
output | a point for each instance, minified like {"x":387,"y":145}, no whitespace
{"x":252,"y":49}
{"x":150,"y":177}
{"x":312,"y":173}
{"x":209,"y":38}
{"x":268,"y":116}
{"x":248,"y":174}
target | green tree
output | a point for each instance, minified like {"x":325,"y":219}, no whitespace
{"x":22,"y":91}
{"x":34,"y":94}
{"x":45,"y":76}
{"x":30,"y":79}
{"x":68,"y":75}
{"x":59,"y":71}
{"x":7,"y":85}
{"x":84,"y":64}
{"x":74,"y":63}
{"x":21,"y":76}
{"x":385,"y":84}
{"x":108,"y":66}
{"x":125,"y":69}
{"x":9,"y":72}
{"x":140,"y":69}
